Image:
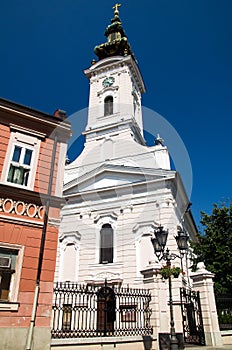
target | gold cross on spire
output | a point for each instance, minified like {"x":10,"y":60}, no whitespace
{"x":115,"y":7}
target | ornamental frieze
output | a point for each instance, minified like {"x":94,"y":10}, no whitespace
{"x":20,"y":208}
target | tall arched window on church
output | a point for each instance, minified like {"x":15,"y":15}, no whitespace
{"x":108,"y":105}
{"x":106,"y":244}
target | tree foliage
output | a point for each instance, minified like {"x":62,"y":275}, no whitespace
{"x":214,"y":246}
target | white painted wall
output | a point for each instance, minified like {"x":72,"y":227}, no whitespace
{"x":120,"y":181}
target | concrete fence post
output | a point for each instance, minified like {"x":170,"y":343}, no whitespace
{"x":203,"y":282}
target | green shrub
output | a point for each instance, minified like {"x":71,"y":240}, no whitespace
{"x":225,"y":318}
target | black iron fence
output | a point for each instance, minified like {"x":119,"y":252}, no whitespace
{"x":92,"y":311}
{"x":224,"y":309}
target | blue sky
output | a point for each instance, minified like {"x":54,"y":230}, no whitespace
{"x":184,"y":52}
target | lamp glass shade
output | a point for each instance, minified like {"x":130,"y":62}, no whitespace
{"x":182,"y":240}
{"x":157,"y":247}
{"x":161,"y":236}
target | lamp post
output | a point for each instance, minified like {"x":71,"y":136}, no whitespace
{"x":159,"y":243}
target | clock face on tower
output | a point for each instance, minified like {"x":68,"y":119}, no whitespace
{"x":108,"y":81}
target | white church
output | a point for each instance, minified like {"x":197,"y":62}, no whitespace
{"x":126,"y":212}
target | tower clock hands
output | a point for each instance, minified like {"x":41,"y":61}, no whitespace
{"x":108,"y":81}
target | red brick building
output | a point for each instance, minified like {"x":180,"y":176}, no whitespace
{"x":32,"y":159}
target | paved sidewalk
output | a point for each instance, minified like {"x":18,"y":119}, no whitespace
{"x":224,"y":347}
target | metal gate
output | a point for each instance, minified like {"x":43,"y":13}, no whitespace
{"x":95,"y":311}
{"x":106,"y":311}
{"x":192,"y":317}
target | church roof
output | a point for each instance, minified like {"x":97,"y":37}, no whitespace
{"x":117,"y":42}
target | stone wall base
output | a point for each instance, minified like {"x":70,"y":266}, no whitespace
{"x":15,"y":338}
{"x":213,"y":338}
{"x":106,"y":343}
{"x":227,"y":337}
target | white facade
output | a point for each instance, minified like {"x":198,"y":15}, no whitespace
{"x":117,"y":180}
{"x":119,"y":183}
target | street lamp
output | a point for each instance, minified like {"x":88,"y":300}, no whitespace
{"x":159,"y":243}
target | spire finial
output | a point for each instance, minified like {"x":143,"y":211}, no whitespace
{"x":117,"y":43}
{"x":159,"y":140}
{"x":116,"y":11}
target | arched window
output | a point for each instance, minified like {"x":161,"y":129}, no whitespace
{"x":108,"y":105}
{"x":106,"y":244}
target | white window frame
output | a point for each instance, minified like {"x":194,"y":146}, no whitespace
{"x":108,"y":219}
{"x":108,"y":105}
{"x":25,"y":141}
{"x":102,"y":234}
{"x":12,"y":304}
{"x":20,"y":163}
{"x":106,"y":92}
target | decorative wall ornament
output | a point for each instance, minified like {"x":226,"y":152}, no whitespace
{"x":106,"y":275}
{"x":71,"y":237}
{"x":111,"y":88}
{"x":9,"y":206}
{"x":145,"y":227}
{"x":106,"y":218}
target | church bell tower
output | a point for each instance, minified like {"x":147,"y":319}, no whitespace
{"x":116,"y":86}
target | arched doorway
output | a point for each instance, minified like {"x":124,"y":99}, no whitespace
{"x":106,"y":313}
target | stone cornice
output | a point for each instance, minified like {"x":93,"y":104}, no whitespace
{"x":116,"y":62}
{"x":97,"y":192}
{"x":20,"y":194}
{"x":119,"y":169}
{"x":128,"y":121}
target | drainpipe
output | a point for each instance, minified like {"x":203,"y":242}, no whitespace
{"x":41,"y":253}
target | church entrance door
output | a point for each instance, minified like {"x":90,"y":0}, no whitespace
{"x":106,"y":313}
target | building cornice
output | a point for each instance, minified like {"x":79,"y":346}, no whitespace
{"x":119,"y":169}
{"x":117,"y":62}
{"x":94,"y":192}
{"x":21,"y":221}
{"x":37,"y":198}
{"x":30,"y":111}
{"x":14,"y":114}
